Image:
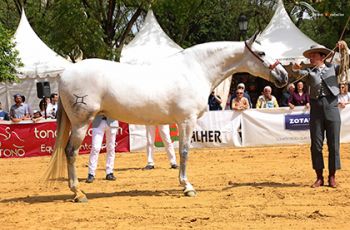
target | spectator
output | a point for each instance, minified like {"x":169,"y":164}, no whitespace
{"x":4,"y":116}
{"x":253,"y":93}
{"x":164,"y":131}
{"x":245,"y":94}
{"x":214,"y":102}
{"x":20,"y":110}
{"x":344,"y":96}
{"x":300,"y":97}
{"x":37,"y":116}
{"x":46,"y":103}
{"x":54,"y":101}
{"x":286,"y":94}
{"x":267,"y":100}
{"x":240,"y":102}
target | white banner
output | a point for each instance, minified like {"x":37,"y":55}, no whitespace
{"x":345,"y":125}
{"x":267,"y":127}
{"x":217,"y":129}
{"x":137,"y":135}
{"x":283,"y":126}
{"x":214,"y":129}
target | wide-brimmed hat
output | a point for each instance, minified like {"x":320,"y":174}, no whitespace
{"x":316,"y":49}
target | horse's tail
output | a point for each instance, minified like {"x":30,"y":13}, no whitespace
{"x":58,"y":163}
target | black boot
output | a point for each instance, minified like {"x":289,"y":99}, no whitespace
{"x":319,"y":181}
{"x":331,"y":179}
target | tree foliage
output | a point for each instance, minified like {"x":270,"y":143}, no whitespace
{"x":100,"y":28}
{"x":8,"y":56}
{"x":331,"y":23}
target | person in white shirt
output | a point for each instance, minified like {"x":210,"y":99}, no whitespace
{"x":54,"y":103}
{"x":100,"y":125}
{"x":164,"y":132}
{"x":344,"y":96}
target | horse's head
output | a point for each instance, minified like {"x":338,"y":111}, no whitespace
{"x":260,"y":64}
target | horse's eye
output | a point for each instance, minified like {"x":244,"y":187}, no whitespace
{"x":261,"y":53}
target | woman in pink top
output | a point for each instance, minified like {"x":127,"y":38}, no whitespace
{"x":239,"y":102}
{"x":299,"y":97}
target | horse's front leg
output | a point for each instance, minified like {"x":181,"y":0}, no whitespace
{"x":185,"y":135}
{"x":72,"y":151}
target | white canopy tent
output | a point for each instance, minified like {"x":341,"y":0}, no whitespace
{"x":283,"y":39}
{"x":40,"y":64}
{"x":150,"y":44}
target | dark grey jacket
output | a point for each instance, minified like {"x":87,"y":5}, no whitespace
{"x":328,"y":75}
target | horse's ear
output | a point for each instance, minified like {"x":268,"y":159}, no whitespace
{"x":252,"y":39}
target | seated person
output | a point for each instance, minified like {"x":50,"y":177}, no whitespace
{"x":4,"y":116}
{"x":245,"y":94}
{"x":299,"y":97}
{"x":45,"y":102}
{"x":37,"y":116}
{"x":286,"y":94}
{"x":267,"y":100}
{"x":344,"y":96}
{"x":240,"y":102}
{"x":20,"y":110}
{"x":54,"y":102}
{"x":214,"y":102}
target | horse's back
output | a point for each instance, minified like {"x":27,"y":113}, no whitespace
{"x":137,"y":94}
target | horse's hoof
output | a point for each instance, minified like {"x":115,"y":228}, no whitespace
{"x":83,"y":199}
{"x":190,"y":193}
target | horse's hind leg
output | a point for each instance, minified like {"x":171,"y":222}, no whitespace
{"x":72,"y":150}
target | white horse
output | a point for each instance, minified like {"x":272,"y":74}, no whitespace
{"x":174,"y":90}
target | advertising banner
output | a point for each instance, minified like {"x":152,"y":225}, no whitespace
{"x":345,"y":125}
{"x":278,"y":126}
{"x":284,"y":126}
{"x":38,"y":139}
{"x":217,"y":129}
{"x":213,"y":129}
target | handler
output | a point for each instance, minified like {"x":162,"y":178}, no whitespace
{"x":324,"y":113}
{"x":100,"y":125}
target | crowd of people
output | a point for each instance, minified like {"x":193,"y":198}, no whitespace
{"x":21,"y":111}
{"x":293,"y":95}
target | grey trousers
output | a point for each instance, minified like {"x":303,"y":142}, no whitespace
{"x":325,"y":118}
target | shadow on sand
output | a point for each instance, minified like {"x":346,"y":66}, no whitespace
{"x":263,"y":184}
{"x":68,"y":198}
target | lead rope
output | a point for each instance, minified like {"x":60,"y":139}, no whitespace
{"x":343,"y":76}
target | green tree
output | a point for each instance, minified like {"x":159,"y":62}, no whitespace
{"x":93,"y":28}
{"x":8,"y":56}
{"x":197,"y":21}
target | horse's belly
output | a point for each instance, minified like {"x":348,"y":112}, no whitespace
{"x":140,"y":118}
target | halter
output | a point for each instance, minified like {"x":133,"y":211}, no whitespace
{"x":271,"y":66}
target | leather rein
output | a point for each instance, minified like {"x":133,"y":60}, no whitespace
{"x":271,"y":66}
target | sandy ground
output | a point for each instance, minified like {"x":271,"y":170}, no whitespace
{"x":251,"y":188}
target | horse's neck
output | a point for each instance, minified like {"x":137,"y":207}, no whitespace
{"x":219,"y":60}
